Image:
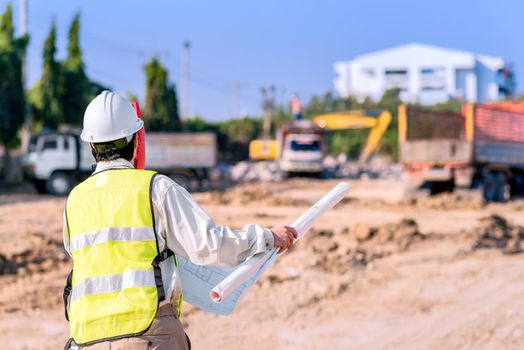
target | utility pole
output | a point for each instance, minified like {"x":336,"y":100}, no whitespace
{"x":185,"y":79}
{"x":26,"y":130}
{"x":268,"y":104}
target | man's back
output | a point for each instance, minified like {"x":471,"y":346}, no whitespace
{"x":113,"y":245}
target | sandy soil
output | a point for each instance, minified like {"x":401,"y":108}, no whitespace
{"x":385,"y":269}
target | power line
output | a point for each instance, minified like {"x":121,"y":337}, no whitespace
{"x":220,"y":90}
{"x":223,"y":84}
{"x":223,"y":87}
{"x":211,"y":81}
{"x":115,"y":76}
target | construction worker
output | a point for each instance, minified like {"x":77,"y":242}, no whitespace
{"x":124,"y":228}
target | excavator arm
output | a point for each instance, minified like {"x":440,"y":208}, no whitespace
{"x":358,"y":120}
{"x":268,"y":149}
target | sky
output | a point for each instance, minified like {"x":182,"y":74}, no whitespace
{"x":237,"y":47}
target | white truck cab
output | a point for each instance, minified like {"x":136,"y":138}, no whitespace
{"x":56,"y":161}
{"x":302,"y":153}
{"x":302,"y":148}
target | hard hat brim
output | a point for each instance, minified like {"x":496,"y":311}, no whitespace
{"x":89,"y":138}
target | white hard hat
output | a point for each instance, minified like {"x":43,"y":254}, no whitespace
{"x":109,"y":117}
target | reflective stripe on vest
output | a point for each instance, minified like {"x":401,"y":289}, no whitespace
{"x":112,"y":234}
{"x":113,"y":283}
{"x":115,"y":287}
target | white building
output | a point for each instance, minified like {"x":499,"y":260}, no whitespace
{"x":426,"y":74}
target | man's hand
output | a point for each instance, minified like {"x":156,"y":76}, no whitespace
{"x":284,"y":236}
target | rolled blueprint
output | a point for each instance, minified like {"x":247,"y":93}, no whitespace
{"x":302,"y":224}
{"x":306,"y":220}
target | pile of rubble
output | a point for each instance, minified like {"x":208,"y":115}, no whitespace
{"x":32,"y":273}
{"x":378,"y":167}
{"x":334,"y":167}
{"x":494,"y":231}
{"x":255,"y":171}
{"x":245,"y":194}
{"x":338,"y":252}
{"x":447,"y":201}
{"x":326,"y":262}
{"x":37,"y":254}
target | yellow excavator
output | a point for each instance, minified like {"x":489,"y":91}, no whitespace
{"x":377,"y":121}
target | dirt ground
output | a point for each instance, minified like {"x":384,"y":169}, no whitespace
{"x":386,"y":269}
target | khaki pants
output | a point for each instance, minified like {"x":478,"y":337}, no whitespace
{"x":166,"y":333}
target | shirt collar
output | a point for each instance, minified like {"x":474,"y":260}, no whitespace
{"x":119,"y":163}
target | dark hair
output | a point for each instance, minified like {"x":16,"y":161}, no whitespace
{"x":125,"y":152}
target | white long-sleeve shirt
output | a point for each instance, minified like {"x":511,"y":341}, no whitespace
{"x":183,"y":227}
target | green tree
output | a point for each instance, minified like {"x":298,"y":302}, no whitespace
{"x":351,"y":142}
{"x":46,"y":95}
{"x":319,"y":105}
{"x":391,"y":100}
{"x":235,"y":135}
{"x":241,"y":130}
{"x":161,"y":105}
{"x":199,"y":124}
{"x":451,"y":105}
{"x":78,"y":90}
{"x":281,"y":116}
{"x":63,"y":91}
{"x":12,"y":97}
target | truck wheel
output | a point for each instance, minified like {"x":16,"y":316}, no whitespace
{"x":326,"y":174}
{"x":496,"y":187}
{"x":517,"y":184}
{"x":437,"y":187}
{"x":59,"y":184}
{"x":182,"y":180}
{"x":503,"y":187}
{"x":40,"y":186}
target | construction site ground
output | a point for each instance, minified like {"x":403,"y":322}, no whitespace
{"x":383,"y":270}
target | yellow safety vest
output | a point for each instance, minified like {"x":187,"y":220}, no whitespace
{"x":116,"y":280}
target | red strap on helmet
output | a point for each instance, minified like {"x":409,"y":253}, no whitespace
{"x":140,"y":157}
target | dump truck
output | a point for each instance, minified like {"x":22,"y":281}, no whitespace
{"x":482,"y":146}
{"x":300,"y":145}
{"x":298,"y":148}
{"x":57,"y":161}
{"x":301,"y":148}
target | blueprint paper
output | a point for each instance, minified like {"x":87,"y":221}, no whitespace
{"x":219,"y":289}
{"x":198,"y":281}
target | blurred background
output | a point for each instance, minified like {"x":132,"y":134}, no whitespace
{"x":234,"y":70}
{"x":258,"y":108}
